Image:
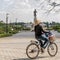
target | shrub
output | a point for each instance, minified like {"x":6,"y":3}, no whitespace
{"x":49,"y":29}
{"x":27,"y":29}
{"x":13,"y":32}
{"x":58,"y":30}
{"x":56,"y":27}
{"x":5,"y":35}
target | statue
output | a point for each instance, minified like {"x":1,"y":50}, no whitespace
{"x":35,"y":14}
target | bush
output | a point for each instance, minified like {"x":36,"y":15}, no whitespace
{"x":1,"y":30}
{"x":5,"y":35}
{"x":27,"y":29}
{"x":58,"y":30}
{"x":56,"y":27}
{"x":13,"y":32}
{"x":49,"y":29}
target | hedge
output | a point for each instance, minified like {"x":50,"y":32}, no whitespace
{"x":58,"y":30}
{"x":13,"y":32}
{"x":5,"y":35}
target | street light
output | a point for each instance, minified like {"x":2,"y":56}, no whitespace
{"x":7,"y":23}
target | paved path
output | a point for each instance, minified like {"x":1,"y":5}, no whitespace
{"x":14,"y":48}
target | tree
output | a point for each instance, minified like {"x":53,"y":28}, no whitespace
{"x":53,"y":5}
{"x":43,"y":4}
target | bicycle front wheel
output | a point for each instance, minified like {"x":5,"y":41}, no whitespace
{"x":32,"y":50}
{"x":52,"y":49}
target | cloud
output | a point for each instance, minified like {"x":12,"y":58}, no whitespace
{"x":23,"y":9}
{"x":6,"y":0}
{"x":27,"y":1}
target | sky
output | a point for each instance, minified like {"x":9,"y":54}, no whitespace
{"x":22,"y":10}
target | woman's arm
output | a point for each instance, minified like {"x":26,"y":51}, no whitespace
{"x":44,"y":30}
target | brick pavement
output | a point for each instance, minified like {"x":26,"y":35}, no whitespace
{"x":15,"y":49}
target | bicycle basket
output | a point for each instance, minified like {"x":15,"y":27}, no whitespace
{"x":52,"y":38}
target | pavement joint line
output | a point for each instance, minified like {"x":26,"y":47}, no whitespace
{"x":11,"y":47}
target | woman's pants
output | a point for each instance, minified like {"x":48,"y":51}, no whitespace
{"x":43,"y":41}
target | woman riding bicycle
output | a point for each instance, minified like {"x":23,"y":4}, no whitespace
{"x":39,"y":34}
{"x":45,"y":39}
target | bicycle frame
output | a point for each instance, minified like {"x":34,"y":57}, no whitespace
{"x":38,"y":43}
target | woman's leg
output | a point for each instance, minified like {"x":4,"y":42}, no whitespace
{"x":45,"y":41}
{"x":40,"y":41}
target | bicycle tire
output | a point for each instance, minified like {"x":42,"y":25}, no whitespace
{"x":28,"y":48}
{"x":52,"y":55}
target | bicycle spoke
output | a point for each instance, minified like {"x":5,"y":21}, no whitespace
{"x":32,"y":51}
{"x":52,"y":49}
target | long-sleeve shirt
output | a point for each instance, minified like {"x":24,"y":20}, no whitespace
{"x":39,"y":30}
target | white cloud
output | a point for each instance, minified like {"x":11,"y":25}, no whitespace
{"x":23,"y":10}
{"x":6,"y":0}
{"x":27,"y":1}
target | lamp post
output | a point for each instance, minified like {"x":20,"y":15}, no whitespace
{"x":7,"y":23}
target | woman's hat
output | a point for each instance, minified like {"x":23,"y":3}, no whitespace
{"x":37,"y":22}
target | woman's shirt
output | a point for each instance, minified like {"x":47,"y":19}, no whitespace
{"x":38,"y":30}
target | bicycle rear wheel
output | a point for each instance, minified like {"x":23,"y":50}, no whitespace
{"x":32,"y":50}
{"x":52,"y":49}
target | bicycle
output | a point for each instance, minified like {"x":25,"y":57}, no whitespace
{"x":34,"y":48}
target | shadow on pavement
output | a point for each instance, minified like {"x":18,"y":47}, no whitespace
{"x":22,"y":59}
{"x":32,"y":59}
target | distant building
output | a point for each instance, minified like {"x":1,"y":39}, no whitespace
{"x":28,"y":25}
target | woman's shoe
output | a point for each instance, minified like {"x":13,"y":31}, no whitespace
{"x":42,"y":50}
